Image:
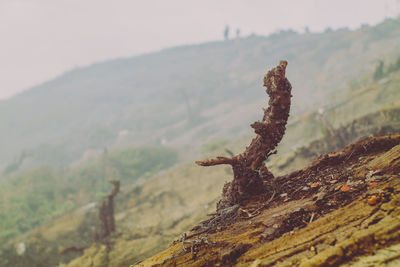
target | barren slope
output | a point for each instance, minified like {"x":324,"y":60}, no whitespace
{"x":341,"y":209}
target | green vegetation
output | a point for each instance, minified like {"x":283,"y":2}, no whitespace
{"x":213,"y":145}
{"x":141,"y":162}
{"x":212,"y":90}
{"x":149,"y":101}
{"x":379,"y":71}
{"x":394,"y":65}
{"x":31,"y":197}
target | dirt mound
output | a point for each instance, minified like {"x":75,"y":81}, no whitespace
{"x":338,"y":210}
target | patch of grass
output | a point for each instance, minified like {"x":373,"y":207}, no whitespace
{"x":213,"y":145}
{"x":31,"y":197}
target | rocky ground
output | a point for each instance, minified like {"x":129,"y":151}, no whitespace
{"x":341,"y":210}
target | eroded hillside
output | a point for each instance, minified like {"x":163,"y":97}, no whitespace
{"x":343,"y":209}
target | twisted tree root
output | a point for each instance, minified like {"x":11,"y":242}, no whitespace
{"x":249,"y":169}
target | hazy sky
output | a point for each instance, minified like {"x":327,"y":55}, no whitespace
{"x":39,"y":39}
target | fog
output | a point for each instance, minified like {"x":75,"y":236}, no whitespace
{"x":41,"y":39}
{"x":106,"y":106}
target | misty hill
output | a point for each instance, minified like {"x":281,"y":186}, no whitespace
{"x":182,"y":95}
{"x":151,"y":214}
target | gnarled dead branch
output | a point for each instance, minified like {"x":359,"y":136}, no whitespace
{"x":250,"y":172}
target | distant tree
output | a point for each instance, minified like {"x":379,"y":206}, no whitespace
{"x":190,"y":113}
{"x":226,"y":32}
{"x":237,"y":33}
{"x":307,"y":29}
{"x":379,"y":71}
{"x":12,"y":167}
{"x":394,"y":66}
{"x":104,"y":169}
{"x":343,"y":29}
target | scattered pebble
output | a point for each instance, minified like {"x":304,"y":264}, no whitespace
{"x":373,"y":184}
{"x":314,"y":185}
{"x":372,"y":200}
{"x":345,"y":188}
{"x":372,"y":173}
{"x":355,"y":183}
{"x":330,"y":240}
{"x":349,"y":234}
{"x":267,"y":232}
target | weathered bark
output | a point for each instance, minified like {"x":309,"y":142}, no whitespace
{"x":250,"y":172}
